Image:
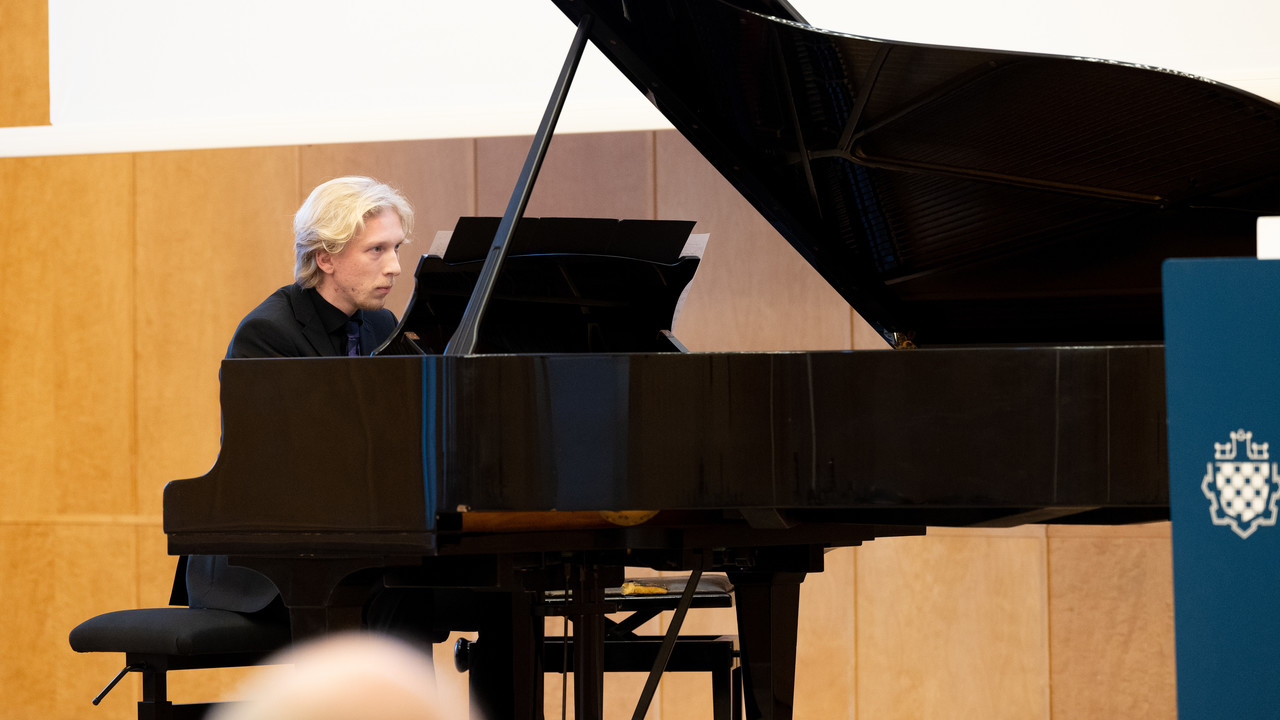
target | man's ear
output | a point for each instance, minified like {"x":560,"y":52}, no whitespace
{"x":324,"y":260}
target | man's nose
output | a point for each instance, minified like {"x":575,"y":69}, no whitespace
{"x":393,"y":267}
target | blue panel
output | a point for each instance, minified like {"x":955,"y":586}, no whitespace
{"x":1222,"y":354}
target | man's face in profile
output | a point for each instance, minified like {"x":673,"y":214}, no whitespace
{"x":361,"y":276}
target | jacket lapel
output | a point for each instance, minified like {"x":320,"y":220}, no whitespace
{"x":312,"y":329}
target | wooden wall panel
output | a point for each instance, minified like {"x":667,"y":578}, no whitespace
{"x":25,"y":548}
{"x":214,"y":239}
{"x":24,"y":63}
{"x":437,"y":176}
{"x":590,"y":175}
{"x":55,"y":576}
{"x":66,"y":364}
{"x":156,"y":567}
{"x":1111,"y":622}
{"x":752,"y":290}
{"x":827,"y":647}
{"x":452,"y":685}
{"x":953,"y":625}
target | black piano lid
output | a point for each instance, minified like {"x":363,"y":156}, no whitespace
{"x":957,"y":195}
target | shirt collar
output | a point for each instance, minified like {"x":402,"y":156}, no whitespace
{"x":331,"y":317}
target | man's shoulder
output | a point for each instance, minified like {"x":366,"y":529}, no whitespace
{"x":284,"y":307}
{"x":281,"y":303}
{"x":274,"y":328}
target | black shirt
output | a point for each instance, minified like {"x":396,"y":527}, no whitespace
{"x":334,"y":320}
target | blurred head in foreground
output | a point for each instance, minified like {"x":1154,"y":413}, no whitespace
{"x":347,"y":676}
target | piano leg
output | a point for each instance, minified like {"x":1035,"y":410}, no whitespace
{"x":506,"y":662}
{"x":588,"y":643}
{"x":768,"y":609}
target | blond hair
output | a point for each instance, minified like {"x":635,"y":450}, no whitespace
{"x":334,"y":214}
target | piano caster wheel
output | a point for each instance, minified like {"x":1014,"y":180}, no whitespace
{"x":462,"y":655}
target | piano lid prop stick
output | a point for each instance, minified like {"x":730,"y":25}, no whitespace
{"x":463,"y":341}
{"x":669,"y":639}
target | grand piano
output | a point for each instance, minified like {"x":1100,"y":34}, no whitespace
{"x":999,"y":217}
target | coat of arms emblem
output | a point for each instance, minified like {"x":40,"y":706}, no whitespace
{"x":1242,"y":492}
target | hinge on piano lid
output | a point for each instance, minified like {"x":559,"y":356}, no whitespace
{"x":904,"y":341}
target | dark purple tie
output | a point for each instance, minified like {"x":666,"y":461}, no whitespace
{"x":353,"y":338}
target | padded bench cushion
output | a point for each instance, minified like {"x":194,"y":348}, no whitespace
{"x":177,"y":631}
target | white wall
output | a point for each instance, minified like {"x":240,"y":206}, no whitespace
{"x":158,"y":74}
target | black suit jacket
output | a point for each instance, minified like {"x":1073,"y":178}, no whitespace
{"x":286,"y":324}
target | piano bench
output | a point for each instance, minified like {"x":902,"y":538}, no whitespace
{"x":715,"y":654}
{"x":644,"y":598}
{"x":627,"y":651}
{"x":157,"y":640}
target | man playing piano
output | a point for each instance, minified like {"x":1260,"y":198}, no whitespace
{"x":347,"y":238}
